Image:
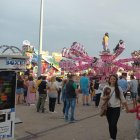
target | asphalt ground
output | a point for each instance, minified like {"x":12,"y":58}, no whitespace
{"x":89,"y":125}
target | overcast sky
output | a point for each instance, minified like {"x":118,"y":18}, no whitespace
{"x":66,"y":21}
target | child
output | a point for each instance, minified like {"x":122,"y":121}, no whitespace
{"x":137,"y":124}
{"x":105,"y":97}
{"x":106,"y":92}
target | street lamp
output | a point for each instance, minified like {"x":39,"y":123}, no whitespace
{"x":40,"y":38}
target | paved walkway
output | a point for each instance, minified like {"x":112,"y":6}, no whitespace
{"x":90,"y":126}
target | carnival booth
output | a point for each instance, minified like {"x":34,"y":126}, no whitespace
{"x":9,"y":66}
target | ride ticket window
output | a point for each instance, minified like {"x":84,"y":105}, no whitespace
{"x":7,"y":89}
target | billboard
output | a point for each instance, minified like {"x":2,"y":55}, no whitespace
{"x":7,"y":103}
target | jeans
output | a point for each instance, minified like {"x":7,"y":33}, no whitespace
{"x":70,"y":102}
{"x":59,"y":93}
{"x":64,"y":106}
{"x":97,"y":101}
{"x":113,"y":115}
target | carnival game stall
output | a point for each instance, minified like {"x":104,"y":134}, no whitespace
{"x":49,"y":64}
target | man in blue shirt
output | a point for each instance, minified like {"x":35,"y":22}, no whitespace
{"x":84,"y":85}
{"x":122,"y":82}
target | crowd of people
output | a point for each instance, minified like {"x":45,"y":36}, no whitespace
{"x":114,"y":89}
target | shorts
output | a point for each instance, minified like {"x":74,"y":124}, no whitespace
{"x":25,"y":92}
{"x":133,"y":95}
{"x":19,"y":91}
{"x":85,"y":91}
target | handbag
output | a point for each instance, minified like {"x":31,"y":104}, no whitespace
{"x":32,"y":89}
{"x":104,"y":107}
{"x":93,"y":93}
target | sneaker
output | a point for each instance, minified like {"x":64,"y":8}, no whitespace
{"x":87,"y":104}
{"x":27,"y":104}
{"x":66,"y":118}
{"x":43,"y":110}
{"x":54,"y":112}
{"x":123,"y":109}
{"x":72,"y":120}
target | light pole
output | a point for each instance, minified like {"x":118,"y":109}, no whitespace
{"x":40,"y":38}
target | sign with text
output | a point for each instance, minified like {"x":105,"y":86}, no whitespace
{"x":13,"y":63}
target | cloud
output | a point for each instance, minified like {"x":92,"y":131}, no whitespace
{"x":66,"y":21}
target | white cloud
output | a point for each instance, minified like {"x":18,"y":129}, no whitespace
{"x":66,"y":21}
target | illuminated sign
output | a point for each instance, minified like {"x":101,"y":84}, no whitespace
{"x":15,"y":62}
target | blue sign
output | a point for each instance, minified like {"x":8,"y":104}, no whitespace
{"x":15,"y":62}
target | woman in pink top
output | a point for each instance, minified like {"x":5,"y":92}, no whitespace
{"x":31,"y":94}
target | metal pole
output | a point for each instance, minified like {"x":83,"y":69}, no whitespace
{"x":40,"y":38}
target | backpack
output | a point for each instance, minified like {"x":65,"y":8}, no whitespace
{"x":96,"y":85}
{"x":42,"y":87}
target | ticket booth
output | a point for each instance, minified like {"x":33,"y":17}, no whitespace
{"x":9,"y":66}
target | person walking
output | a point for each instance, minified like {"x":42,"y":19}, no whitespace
{"x":91,"y":89}
{"x":63,"y":97}
{"x":98,"y":92}
{"x":39,"y":79}
{"x":114,"y":105}
{"x":19,"y":90}
{"x":70,"y":98}
{"x":25,"y":88}
{"x":84,"y":86}
{"x":133,"y":90}
{"x":52,"y":94}
{"x":59,"y":83}
{"x":122,"y":82}
{"x":42,"y":90}
{"x":31,"y":92}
